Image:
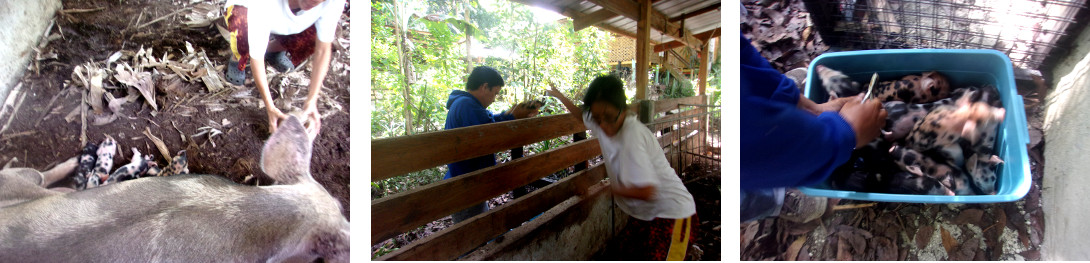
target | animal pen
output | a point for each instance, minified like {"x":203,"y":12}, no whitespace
{"x":572,"y":218}
{"x":1027,"y":31}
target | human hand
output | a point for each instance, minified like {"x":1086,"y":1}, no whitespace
{"x":275,"y":116}
{"x":866,"y":119}
{"x":312,"y":122}
{"x":834,"y":105}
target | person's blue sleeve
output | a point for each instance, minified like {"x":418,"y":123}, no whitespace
{"x":467,"y":115}
{"x":503,"y":116}
{"x":781,"y":145}
{"x":767,"y":82}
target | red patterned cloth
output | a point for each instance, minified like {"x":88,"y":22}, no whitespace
{"x":299,"y":46}
{"x":652,"y":240}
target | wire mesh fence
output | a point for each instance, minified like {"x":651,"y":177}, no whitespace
{"x":1026,"y":30}
{"x":693,"y":137}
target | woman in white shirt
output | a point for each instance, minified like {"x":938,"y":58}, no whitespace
{"x":298,"y":28}
{"x":644,"y":185}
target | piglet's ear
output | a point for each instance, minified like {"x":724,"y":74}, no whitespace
{"x":926,"y":82}
{"x":969,"y":131}
{"x":999,"y":113}
{"x":286,"y":155}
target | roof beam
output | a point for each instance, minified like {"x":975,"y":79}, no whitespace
{"x":702,"y":36}
{"x":631,"y":10}
{"x":551,"y":5}
{"x":591,"y":19}
{"x":701,"y":11}
{"x":587,"y":20}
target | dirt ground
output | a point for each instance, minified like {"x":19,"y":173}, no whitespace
{"x":857,"y":230}
{"x":703,"y":179}
{"x":92,"y":30}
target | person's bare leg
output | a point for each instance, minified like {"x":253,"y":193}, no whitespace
{"x":59,"y":172}
{"x":274,"y":46}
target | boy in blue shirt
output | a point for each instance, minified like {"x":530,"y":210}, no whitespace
{"x":468,"y":108}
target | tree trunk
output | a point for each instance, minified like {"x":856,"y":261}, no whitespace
{"x":406,"y":70}
{"x":469,"y":41}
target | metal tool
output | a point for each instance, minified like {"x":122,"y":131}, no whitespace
{"x":873,"y":78}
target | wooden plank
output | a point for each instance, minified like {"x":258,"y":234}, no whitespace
{"x":554,"y":6}
{"x":703,"y":36}
{"x":452,"y":242}
{"x":685,"y":115}
{"x":702,"y":78}
{"x":399,"y":155}
{"x":402,"y":212}
{"x":573,"y":230}
{"x":701,"y":11}
{"x":672,"y":104}
{"x":633,"y":10}
{"x":671,"y":137}
{"x":643,"y":45}
{"x":581,"y":22}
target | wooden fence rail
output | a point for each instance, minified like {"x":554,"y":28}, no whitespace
{"x":405,"y":211}
{"x":456,"y":240}
{"x":397,"y":156}
{"x":672,"y":104}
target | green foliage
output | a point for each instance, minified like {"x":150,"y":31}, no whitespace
{"x":529,"y":54}
{"x":383,"y":188}
{"x":436,"y":31}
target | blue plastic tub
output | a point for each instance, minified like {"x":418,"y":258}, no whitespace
{"x":962,"y":67}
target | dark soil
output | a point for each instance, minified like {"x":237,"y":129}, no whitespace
{"x":703,"y":179}
{"x":859,"y":230}
{"x":39,"y":136}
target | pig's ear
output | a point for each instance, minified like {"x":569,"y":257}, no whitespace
{"x":927,"y":82}
{"x":286,"y":155}
{"x":969,"y":131}
{"x":999,"y":113}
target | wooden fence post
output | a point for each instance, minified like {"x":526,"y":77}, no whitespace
{"x":576,"y":138}
{"x":646,"y":111}
{"x":516,"y":153}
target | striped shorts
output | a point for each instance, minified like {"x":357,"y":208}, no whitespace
{"x":658,"y":239}
{"x":299,"y":46}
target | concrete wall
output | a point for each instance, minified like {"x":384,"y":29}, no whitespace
{"x":1067,"y":151}
{"x":23,"y":23}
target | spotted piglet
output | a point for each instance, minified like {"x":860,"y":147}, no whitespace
{"x":902,"y":117}
{"x":836,"y":83}
{"x":955,"y":129}
{"x":908,"y":183}
{"x":982,"y":168}
{"x":103,"y":162}
{"x":85,"y":166}
{"x":922,"y":165}
{"x":129,"y":171}
{"x":926,"y":87}
{"x":178,"y":165}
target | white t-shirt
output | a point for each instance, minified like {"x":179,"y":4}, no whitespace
{"x":634,"y":158}
{"x":266,"y":17}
